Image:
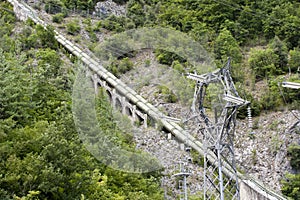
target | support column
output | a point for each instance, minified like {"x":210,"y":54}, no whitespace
{"x":145,"y":120}
{"x":123,"y":104}
{"x":113,"y":98}
{"x":95,"y":84}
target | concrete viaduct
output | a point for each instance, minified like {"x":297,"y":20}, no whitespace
{"x":134,"y":105}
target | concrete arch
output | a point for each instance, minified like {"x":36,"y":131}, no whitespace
{"x":109,"y":95}
{"x":128,"y":111}
{"x":118,"y":104}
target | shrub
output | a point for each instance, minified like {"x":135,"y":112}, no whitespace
{"x":291,"y":186}
{"x":255,"y":109}
{"x":294,"y":153}
{"x":54,"y":6}
{"x":113,"y":23}
{"x":58,"y":18}
{"x":226,"y":46}
{"x":118,"y":67}
{"x":294,"y":61}
{"x":280,"y":49}
{"x":167,"y":94}
{"x":46,"y":36}
{"x":167,"y":58}
{"x":262,"y":62}
{"x":147,"y":63}
{"x":271,"y":98}
{"x":125,"y":65}
{"x":197,"y":158}
{"x":178,"y":66}
{"x":73,"y":28}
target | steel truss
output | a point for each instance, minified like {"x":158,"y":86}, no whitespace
{"x":216,"y":128}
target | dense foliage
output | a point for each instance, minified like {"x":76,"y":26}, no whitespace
{"x":228,"y":29}
{"x":41,"y":156}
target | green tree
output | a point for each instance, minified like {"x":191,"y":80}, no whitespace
{"x":272,"y":98}
{"x":46,"y":36}
{"x":280,"y":49}
{"x":249,"y":25}
{"x":283,"y":22}
{"x":73,"y":27}
{"x":135,"y":12}
{"x":226,"y":46}
{"x":294,"y":153}
{"x":291,"y":186}
{"x":54,"y":6}
{"x":15,"y":89}
{"x":294,"y":61}
{"x":262,"y":62}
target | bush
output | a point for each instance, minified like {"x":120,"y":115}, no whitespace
{"x":226,"y":46}
{"x":118,"y":67}
{"x":178,"y":66}
{"x":113,"y":23}
{"x":46,"y":37}
{"x":120,"y":1}
{"x":291,"y":186}
{"x":58,"y":18}
{"x":255,"y":109}
{"x":147,"y":63}
{"x":7,"y":16}
{"x":271,"y":61}
{"x":294,"y":61}
{"x":294,"y":154}
{"x":262,"y":62}
{"x":73,"y":28}
{"x":281,"y":51}
{"x":272,"y":98}
{"x":125,"y":65}
{"x":197,"y":158}
{"x":54,"y":6}
{"x":167,"y":58}
{"x":167,"y":94}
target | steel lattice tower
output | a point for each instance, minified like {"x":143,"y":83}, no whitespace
{"x":216,"y":128}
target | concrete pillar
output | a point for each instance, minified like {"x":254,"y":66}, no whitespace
{"x":134,"y":113}
{"x":123,"y":105}
{"x":95,"y":84}
{"x":113,"y":98}
{"x":145,"y":120}
{"x":103,"y":84}
{"x":181,"y":146}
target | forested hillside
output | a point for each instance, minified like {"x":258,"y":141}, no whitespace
{"x":41,"y":154}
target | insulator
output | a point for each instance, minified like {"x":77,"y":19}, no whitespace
{"x":249,"y":117}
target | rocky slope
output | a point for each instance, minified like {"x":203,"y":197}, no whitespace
{"x":262,"y":154}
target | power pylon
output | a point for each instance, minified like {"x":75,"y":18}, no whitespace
{"x":216,"y":128}
{"x":182,"y":182}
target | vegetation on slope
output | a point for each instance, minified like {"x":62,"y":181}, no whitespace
{"x":41,"y":156}
{"x":261,"y":37}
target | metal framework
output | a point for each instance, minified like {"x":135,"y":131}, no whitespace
{"x":216,"y":128}
{"x":182,"y":182}
{"x":292,"y":85}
